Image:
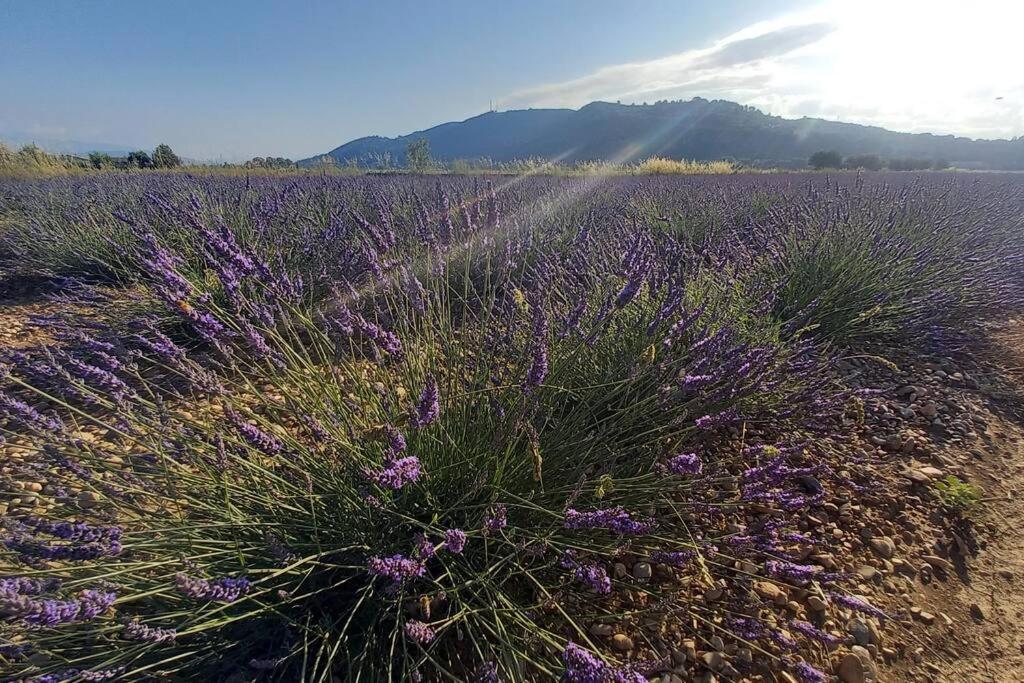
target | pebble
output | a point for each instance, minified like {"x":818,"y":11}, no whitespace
{"x":712,"y":660}
{"x":939,"y":563}
{"x":855,"y":668}
{"x":601,"y":630}
{"x":88,"y":499}
{"x":622,"y":642}
{"x":883,"y":547}
{"x":642,"y":571}
{"x":977,"y":613}
{"x":861,"y":632}
{"x":867,"y":572}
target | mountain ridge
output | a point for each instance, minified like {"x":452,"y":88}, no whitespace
{"x":697,"y":129}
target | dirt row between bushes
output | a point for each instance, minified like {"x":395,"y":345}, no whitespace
{"x":953,"y":582}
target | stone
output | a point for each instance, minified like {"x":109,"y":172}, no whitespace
{"x":712,"y":594}
{"x":977,"y":613}
{"x":601,"y":630}
{"x":816,"y":604}
{"x":861,"y":632}
{"x":852,"y":669}
{"x":883,"y":547}
{"x":916,"y":476}
{"x":770,"y":592}
{"x":712,"y":660}
{"x":927,"y":618}
{"x":642,"y":571}
{"x":867,"y":572}
{"x":88,"y":499}
{"x":857,"y":666}
{"x":621,"y":642}
{"x":939,"y":563}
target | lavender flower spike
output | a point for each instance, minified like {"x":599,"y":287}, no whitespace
{"x":217,"y":590}
{"x":429,"y":407}
{"x":685,"y":463}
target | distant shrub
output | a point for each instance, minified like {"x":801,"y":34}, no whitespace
{"x":825,"y":159}
{"x":138,"y":159}
{"x":663,"y":166}
{"x":269,"y":162}
{"x":417,"y":155}
{"x":164,"y":157}
{"x":33,"y":160}
{"x":909,"y":164}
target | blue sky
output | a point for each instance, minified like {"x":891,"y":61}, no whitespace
{"x":232,"y":79}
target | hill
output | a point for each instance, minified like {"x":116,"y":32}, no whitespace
{"x":695,"y":129}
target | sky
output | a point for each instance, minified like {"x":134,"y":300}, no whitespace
{"x":233,"y":79}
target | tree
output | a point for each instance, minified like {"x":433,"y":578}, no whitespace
{"x":100,"y":160}
{"x":417,"y":155}
{"x":269,"y":162}
{"x":164,"y":157}
{"x":139,"y":159}
{"x":823,"y":159}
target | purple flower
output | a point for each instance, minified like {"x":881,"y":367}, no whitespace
{"x":455,"y":540}
{"x":398,"y":568}
{"x":723,"y":418}
{"x":539,"y":366}
{"x":496,"y":519}
{"x":616,"y":520}
{"x":676,"y":558}
{"x":396,"y":473}
{"x":85,"y":607}
{"x":253,"y":435}
{"x":424,"y":547}
{"x":136,"y":630}
{"x":595,"y":576}
{"x":418,"y":632}
{"x":25,"y":586}
{"x":692,"y":382}
{"x":810,"y":631}
{"x":217,"y":590}
{"x":857,"y":604}
{"x":428,"y":408}
{"x":799,"y":574}
{"x":27,"y":415}
{"x":582,"y":666}
{"x":486,"y":673}
{"x":685,"y":464}
{"x":396,"y":441}
{"x":808,"y":674}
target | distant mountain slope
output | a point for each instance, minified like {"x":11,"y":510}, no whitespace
{"x":16,"y":139}
{"x":697,"y":129}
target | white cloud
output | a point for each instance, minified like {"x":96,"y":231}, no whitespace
{"x":942,"y":66}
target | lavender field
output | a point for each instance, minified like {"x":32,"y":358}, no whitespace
{"x":455,"y":428}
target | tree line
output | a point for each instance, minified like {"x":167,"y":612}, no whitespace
{"x":826,"y":159}
{"x":162,"y":157}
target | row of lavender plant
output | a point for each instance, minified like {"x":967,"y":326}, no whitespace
{"x":416,"y":446}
